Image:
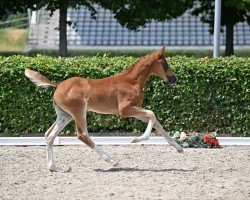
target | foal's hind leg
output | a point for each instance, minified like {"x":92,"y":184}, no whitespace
{"x":62,"y":120}
{"x":82,"y":133}
{"x":49,"y":130}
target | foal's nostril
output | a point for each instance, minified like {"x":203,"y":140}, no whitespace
{"x":172,"y":79}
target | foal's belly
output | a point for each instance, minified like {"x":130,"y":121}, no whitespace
{"x":103,"y":109}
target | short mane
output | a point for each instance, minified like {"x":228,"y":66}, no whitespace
{"x":150,"y":57}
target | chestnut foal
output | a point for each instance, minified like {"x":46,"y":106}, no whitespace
{"x":121,"y":93}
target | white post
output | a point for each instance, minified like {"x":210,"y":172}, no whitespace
{"x":29,"y":15}
{"x":217,"y":17}
{"x":33,"y":17}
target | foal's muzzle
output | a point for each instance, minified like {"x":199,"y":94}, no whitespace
{"x":172,"y":79}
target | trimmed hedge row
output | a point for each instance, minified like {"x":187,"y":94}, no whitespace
{"x":211,"y":95}
{"x":134,"y":53}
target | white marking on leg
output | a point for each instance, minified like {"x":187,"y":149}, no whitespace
{"x":50,"y":140}
{"x":146,"y":134}
{"x":167,"y":137}
{"x":105,"y":156}
{"x":62,"y":120}
{"x":151,"y":117}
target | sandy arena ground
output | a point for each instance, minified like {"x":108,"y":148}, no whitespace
{"x":145,"y":172}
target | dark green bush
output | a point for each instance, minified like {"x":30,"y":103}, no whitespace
{"x":211,"y":95}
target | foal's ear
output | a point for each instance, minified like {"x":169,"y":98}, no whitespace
{"x":161,"y":51}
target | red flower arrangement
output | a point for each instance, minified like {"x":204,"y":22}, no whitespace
{"x":197,"y":140}
{"x":211,"y":140}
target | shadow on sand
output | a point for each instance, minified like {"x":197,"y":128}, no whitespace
{"x":131,"y":169}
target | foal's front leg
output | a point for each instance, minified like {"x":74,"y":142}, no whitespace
{"x":137,"y":112}
{"x":167,"y":137}
{"x":160,"y":129}
{"x":146,"y":134}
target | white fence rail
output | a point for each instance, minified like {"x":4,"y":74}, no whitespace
{"x":15,"y":23}
{"x":26,"y":141}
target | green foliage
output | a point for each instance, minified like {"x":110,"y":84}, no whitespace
{"x":113,"y":53}
{"x":13,"y":6}
{"x":211,"y":95}
{"x":135,"y":14}
{"x":232,"y":12}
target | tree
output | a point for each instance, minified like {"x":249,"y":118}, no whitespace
{"x":232,"y":12}
{"x":130,"y":13}
{"x":12,"y":6}
{"x":134,"y":14}
{"x":62,"y":6}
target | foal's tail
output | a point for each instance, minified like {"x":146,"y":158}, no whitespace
{"x":39,"y":79}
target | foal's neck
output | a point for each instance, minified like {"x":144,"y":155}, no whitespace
{"x":139,"y":72}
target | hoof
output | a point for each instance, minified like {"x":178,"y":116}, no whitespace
{"x":53,"y":168}
{"x":178,"y":147}
{"x":135,"y":140}
{"x":180,"y":150}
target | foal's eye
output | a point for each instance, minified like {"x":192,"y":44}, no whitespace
{"x":165,"y":65}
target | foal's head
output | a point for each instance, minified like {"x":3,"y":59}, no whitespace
{"x":162,"y":69}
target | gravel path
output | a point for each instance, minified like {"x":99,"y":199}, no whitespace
{"x":145,"y":172}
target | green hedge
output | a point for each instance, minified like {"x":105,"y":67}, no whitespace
{"x":134,"y":53}
{"x":212,"y":94}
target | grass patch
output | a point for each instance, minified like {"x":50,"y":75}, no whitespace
{"x":13,"y":40}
